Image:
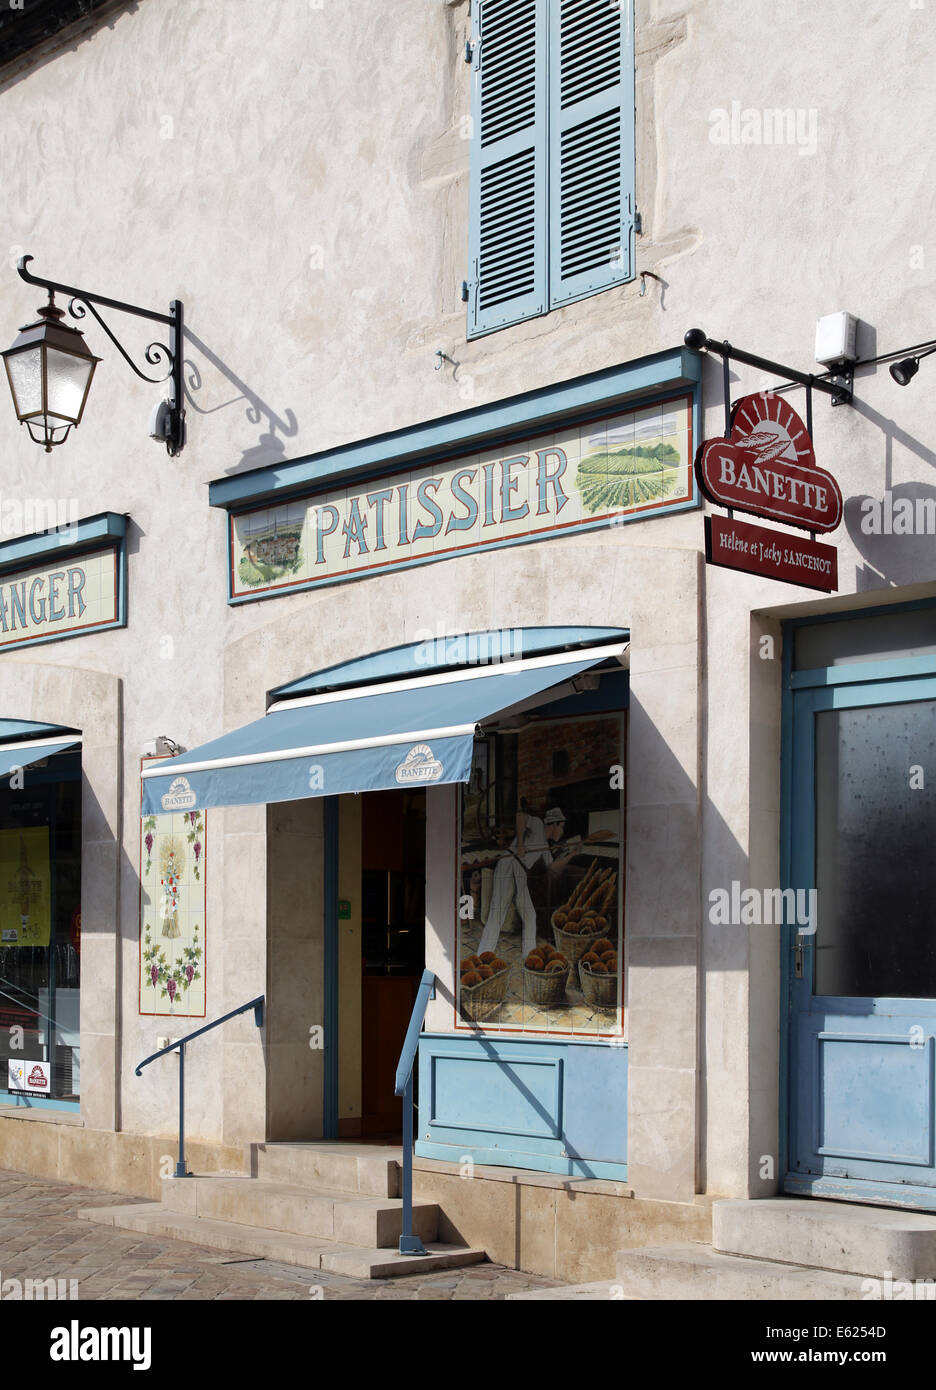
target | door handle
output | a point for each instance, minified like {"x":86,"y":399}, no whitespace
{"x":798,"y":949}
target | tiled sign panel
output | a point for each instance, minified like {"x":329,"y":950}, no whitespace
{"x":58,"y":599}
{"x":633,"y":464}
{"x":172,"y":914}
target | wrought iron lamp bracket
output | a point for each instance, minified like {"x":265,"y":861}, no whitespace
{"x":156,"y":354}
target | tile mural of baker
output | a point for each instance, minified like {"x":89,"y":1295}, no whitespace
{"x":541,"y":842}
{"x":537,"y":842}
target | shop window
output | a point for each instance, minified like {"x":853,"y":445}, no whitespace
{"x":541,"y":876}
{"x":40,"y":932}
{"x":552,"y":212}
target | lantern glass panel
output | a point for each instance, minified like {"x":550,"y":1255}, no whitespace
{"x":68,"y":378}
{"x":25,"y":370}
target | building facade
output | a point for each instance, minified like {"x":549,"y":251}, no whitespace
{"x":422,"y":608}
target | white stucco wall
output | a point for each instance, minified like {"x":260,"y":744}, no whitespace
{"x":296,"y":174}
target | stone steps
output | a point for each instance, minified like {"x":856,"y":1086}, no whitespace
{"x":791,"y":1248}
{"x":366,"y":1169}
{"x":320,"y":1205}
{"x":867,"y":1240}
{"x":601,"y":1291}
{"x":317,"y":1212}
{"x":699,"y":1273}
{"x":152,"y":1219}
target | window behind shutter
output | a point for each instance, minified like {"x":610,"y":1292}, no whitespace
{"x":591,"y":156}
{"x":507,"y":218}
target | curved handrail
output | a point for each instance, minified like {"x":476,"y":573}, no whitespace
{"x":410,"y":1244}
{"x":255,"y":1004}
{"x":179,"y":1046}
{"x":424,"y":993}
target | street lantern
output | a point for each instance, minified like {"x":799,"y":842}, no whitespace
{"x":49,"y":368}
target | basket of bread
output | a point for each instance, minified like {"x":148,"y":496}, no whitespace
{"x":545,"y":972}
{"x":598,"y":974}
{"x":585,"y":917}
{"x":482,"y":985}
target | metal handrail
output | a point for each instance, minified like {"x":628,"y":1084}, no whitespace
{"x":179,"y":1046}
{"x":410,"y":1244}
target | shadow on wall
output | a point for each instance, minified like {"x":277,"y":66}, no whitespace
{"x":270,"y":447}
{"x":894,"y":555}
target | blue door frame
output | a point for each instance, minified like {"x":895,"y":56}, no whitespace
{"x":858,"y":1081}
{"x":330,"y":971}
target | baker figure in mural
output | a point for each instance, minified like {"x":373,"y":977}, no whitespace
{"x":536,"y":841}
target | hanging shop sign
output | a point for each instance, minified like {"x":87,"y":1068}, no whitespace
{"x":58,"y":583}
{"x":738,"y":545}
{"x":603,"y":473}
{"x":766,"y":467}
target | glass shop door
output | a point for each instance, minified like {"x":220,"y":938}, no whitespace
{"x":862,"y":976}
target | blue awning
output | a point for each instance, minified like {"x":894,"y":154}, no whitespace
{"x":26,"y":752}
{"x":406,"y":733}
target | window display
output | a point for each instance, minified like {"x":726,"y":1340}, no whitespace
{"x":40,"y":932}
{"x":539,"y":935}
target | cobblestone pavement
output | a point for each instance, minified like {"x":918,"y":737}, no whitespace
{"x":41,"y":1237}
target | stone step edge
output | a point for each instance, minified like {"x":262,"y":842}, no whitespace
{"x":389,"y":1264}
{"x":849,"y":1225}
{"x":387,"y":1164}
{"x":604,"y":1290}
{"x":339,"y":1205}
{"x":683,"y":1260}
{"x":814,"y":1268}
{"x":340,"y":1195}
{"x":309,"y":1252}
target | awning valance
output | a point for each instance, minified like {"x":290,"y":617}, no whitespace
{"x":25,"y":752}
{"x":406,"y":733}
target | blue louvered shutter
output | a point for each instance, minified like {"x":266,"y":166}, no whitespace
{"x":591,"y":147}
{"x":507,"y":214}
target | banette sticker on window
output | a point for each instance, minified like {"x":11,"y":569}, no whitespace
{"x":634,"y":463}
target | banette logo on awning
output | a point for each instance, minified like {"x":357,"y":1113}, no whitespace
{"x":419,"y":765}
{"x":180,"y":796}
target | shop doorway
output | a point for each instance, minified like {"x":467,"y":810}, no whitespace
{"x":382,"y":915}
{"x":861,"y":823}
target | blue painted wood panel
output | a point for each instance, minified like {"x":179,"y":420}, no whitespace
{"x":551,"y":1105}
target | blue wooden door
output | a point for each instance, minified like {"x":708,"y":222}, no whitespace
{"x":860,"y":977}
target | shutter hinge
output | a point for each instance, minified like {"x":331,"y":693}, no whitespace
{"x":464,"y":291}
{"x":469,"y":51}
{"x":638,"y":226}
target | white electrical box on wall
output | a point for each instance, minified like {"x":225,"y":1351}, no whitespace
{"x":836,"y":336}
